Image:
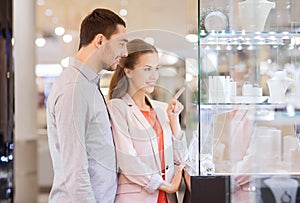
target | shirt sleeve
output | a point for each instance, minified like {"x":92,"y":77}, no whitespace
{"x":71,"y":119}
{"x":133,"y":166}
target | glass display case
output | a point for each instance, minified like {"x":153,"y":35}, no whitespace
{"x":249,"y":87}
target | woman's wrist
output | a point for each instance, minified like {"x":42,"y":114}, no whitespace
{"x":169,"y":187}
{"x":175,"y":126}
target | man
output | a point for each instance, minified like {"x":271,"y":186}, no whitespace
{"x":79,"y":129}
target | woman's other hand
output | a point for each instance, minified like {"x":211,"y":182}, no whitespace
{"x":175,"y":183}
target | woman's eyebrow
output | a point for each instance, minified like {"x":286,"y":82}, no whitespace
{"x":150,"y":66}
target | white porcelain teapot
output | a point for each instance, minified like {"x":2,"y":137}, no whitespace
{"x":278,"y":86}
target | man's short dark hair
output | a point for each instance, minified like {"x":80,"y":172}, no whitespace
{"x":102,"y":21}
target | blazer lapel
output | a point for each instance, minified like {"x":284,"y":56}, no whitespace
{"x":149,"y":130}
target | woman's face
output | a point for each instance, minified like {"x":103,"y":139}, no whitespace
{"x":145,"y":73}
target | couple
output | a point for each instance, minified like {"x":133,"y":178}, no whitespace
{"x":139,"y":136}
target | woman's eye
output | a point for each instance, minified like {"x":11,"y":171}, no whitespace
{"x":147,"y":69}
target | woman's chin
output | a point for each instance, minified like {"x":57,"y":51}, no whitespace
{"x":150,"y":90}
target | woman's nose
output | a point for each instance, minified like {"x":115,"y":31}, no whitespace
{"x":154,"y":74}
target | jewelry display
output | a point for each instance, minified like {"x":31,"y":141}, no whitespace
{"x":286,"y":197}
{"x":284,"y":189}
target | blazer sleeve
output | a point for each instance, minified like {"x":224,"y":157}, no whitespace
{"x":133,"y":166}
{"x":180,"y":149}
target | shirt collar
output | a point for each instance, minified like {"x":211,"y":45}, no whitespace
{"x":86,"y":71}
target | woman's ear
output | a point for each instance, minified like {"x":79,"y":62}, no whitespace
{"x":128,"y":72}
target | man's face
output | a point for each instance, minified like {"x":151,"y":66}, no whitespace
{"x":115,"y":48}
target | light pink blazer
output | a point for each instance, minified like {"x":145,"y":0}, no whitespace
{"x":137,"y":151}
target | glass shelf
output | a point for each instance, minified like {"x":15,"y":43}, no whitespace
{"x":271,"y":38}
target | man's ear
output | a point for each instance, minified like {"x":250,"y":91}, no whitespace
{"x":98,"y":40}
{"x":128,"y":72}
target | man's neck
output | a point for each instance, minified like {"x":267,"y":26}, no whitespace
{"x":86,"y":56}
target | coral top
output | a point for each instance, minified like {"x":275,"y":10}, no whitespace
{"x":154,"y":122}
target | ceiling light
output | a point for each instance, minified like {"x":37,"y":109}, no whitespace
{"x":123,"y":12}
{"x":67,"y":38}
{"x":59,"y":31}
{"x":188,"y":77}
{"x":48,"y":70}
{"x":65,"y":62}
{"x":167,"y":58}
{"x":48,"y":12}
{"x":40,"y":42}
{"x":171,"y":59}
{"x":191,"y":38}
{"x":40,"y":2}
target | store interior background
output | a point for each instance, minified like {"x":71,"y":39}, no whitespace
{"x":46,"y":33}
{"x":41,"y":48}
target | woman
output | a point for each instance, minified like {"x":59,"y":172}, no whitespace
{"x":147,"y":133}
